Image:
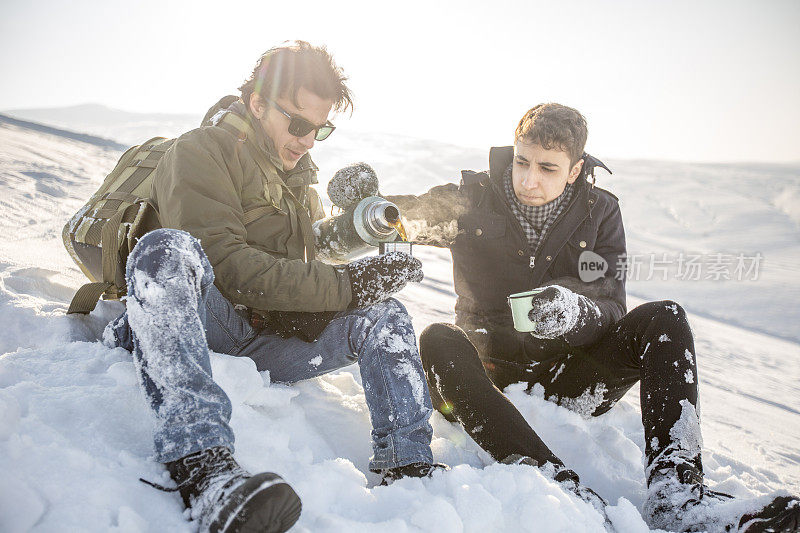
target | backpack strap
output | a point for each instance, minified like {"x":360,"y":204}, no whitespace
{"x":87,"y":296}
{"x":296,"y":208}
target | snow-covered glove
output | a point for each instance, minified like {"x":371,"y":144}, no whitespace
{"x":557,"y":311}
{"x":352,"y":184}
{"x":375,"y":279}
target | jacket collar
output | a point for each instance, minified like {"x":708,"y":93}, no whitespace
{"x":305,"y":171}
{"x":499,"y":159}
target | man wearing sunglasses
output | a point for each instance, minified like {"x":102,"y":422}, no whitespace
{"x":235,"y":273}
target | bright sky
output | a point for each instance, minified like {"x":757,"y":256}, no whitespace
{"x":715,"y":80}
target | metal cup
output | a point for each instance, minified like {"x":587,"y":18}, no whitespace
{"x":399,"y":246}
{"x":521,"y":304}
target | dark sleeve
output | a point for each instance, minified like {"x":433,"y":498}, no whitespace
{"x":432,"y":218}
{"x":604,"y":301}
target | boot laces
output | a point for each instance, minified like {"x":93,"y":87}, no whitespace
{"x":203,"y":468}
{"x":418,"y":470}
{"x":699,"y":490}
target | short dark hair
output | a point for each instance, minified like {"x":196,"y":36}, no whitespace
{"x":283,"y":70}
{"x":554,"y":126}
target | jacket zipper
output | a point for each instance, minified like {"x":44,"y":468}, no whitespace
{"x":521,"y":230}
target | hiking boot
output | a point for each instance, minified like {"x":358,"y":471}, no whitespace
{"x":678,"y":500}
{"x":569,"y":480}
{"x":517,"y":459}
{"x":781,"y":515}
{"x":223,"y":497}
{"x":391,"y":475}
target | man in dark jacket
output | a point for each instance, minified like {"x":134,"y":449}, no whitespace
{"x":536,"y":220}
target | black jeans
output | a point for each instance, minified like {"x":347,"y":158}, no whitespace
{"x":652,"y":344}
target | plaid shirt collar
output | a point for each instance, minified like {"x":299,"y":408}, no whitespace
{"x":536,"y":221}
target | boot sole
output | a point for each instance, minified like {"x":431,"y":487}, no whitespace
{"x":785,"y":520}
{"x":271,"y":506}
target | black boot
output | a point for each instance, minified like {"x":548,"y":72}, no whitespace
{"x":224,"y":497}
{"x":568,"y":479}
{"x":678,"y":500}
{"x":413,"y":470}
{"x":781,"y":515}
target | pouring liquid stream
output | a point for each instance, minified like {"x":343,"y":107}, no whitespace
{"x":398,"y":225}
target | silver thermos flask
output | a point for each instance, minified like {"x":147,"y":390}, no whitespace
{"x":341,"y":238}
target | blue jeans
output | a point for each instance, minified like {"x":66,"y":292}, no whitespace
{"x":175,"y":314}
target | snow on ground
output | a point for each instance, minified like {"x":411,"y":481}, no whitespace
{"x":75,"y":434}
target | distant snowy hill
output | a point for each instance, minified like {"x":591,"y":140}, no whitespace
{"x":67,"y":134}
{"x":75,"y":435}
{"x":123,"y":126}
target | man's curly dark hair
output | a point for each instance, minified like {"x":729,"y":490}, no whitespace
{"x":554,"y":126}
{"x":283,"y":70}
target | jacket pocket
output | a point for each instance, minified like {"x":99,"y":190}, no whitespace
{"x":583,"y":238}
{"x":482,"y":226}
{"x":268,"y":228}
{"x":567,"y":262}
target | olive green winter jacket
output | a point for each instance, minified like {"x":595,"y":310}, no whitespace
{"x":248,"y":216}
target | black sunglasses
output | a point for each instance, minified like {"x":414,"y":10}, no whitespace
{"x":300,"y":127}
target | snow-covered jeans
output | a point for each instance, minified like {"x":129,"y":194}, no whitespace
{"x":175,"y":314}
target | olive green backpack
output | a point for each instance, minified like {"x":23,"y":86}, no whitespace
{"x":101,"y":235}
{"x":103,"y":232}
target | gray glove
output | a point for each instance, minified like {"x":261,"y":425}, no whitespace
{"x":375,"y":279}
{"x":352,"y":184}
{"x":557,"y":311}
